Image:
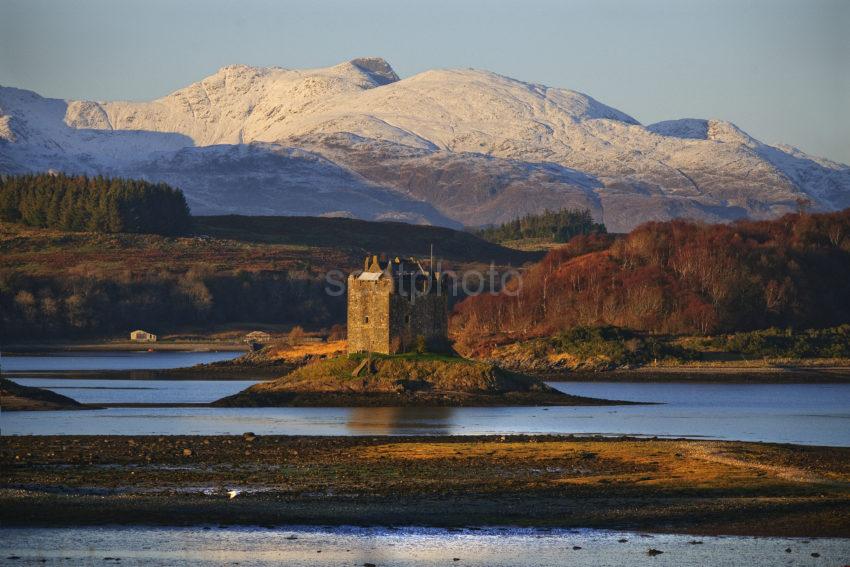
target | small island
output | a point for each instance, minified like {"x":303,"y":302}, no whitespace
{"x":398,"y":354}
{"x":359,"y":380}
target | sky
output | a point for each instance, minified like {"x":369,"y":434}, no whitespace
{"x":779,"y":69}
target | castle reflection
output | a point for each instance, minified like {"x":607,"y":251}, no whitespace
{"x":400,"y":421}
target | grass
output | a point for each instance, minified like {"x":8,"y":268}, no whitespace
{"x":429,"y":380}
{"x":413,"y":357}
{"x":537,"y":244}
{"x":442,"y":371}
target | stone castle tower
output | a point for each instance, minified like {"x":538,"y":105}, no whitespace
{"x":394,"y":302}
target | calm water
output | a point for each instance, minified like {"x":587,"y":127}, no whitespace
{"x":813,"y":414}
{"x":404,"y":547}
{"x":113,"y":360}
{"x":139,"y":391}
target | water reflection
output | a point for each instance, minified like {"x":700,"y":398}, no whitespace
{"x":399,"y":421}
{"x":139,"y":391}
{"x":404,"y":547}
{"x":809,"y":414}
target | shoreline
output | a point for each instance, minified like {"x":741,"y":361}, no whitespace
{"x":803,"y":371}
{"x":711,"y":374}
{"x":437,"y":400}
{"x":23,"y":349}
{"x":320,"y":400}
{"x":660,"y":485}
{"x":201,"y":372}
{"x":224,"y":371}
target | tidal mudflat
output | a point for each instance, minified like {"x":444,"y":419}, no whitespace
{"x":670,"y":486}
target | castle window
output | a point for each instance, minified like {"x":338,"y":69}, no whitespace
{"x":366,"y":319}
{"x":407,"y":318}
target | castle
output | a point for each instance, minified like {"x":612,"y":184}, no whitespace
{"x":394,"y":302}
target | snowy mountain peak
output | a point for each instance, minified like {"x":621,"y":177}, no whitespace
{"x":685,"y":128}
{"x":701,"y":129}
{"x":724,"y":131}
{"x":444,"y":146}
{"x":241,"y":69}
{"x":377,"y":67}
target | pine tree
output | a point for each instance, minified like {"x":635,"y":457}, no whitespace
{"x":95,"y":204}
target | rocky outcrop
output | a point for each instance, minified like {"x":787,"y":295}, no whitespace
{"x":14,"y":397}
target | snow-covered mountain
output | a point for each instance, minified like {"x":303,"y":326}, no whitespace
{"x":447,"y":147}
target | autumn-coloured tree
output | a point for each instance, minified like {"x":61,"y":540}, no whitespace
{"x":680,"y":277}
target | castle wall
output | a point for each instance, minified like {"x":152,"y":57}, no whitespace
{"x":382,"y":317}
{"x":369,"y":299}
{"x":426,"y":316}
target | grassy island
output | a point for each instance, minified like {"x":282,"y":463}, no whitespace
{"x":402,"y":380}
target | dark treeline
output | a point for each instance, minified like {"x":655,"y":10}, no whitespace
{"x":682,"y":277}
{"x":560,"y":226}
{"x":97,"y":204}
{"x":38,"y":307}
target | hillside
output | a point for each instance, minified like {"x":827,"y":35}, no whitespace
{"x":361,"y":237}
{"x":449,"y":147}
{"x":678,"y":277}
{"x":403,"y":380}
{"x":231,"y":269}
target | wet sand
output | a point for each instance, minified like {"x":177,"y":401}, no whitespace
{"x":671,"y":486}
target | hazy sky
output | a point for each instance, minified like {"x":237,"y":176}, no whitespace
{"x":780,"y":69}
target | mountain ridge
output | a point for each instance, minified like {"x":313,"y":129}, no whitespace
{"x":445,"y":146}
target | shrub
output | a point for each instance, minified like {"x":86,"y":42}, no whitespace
{"x":337,"y":333}
{"x":620,"y":346}
{"x":296,"y":335}
{"x":832,"y":342}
